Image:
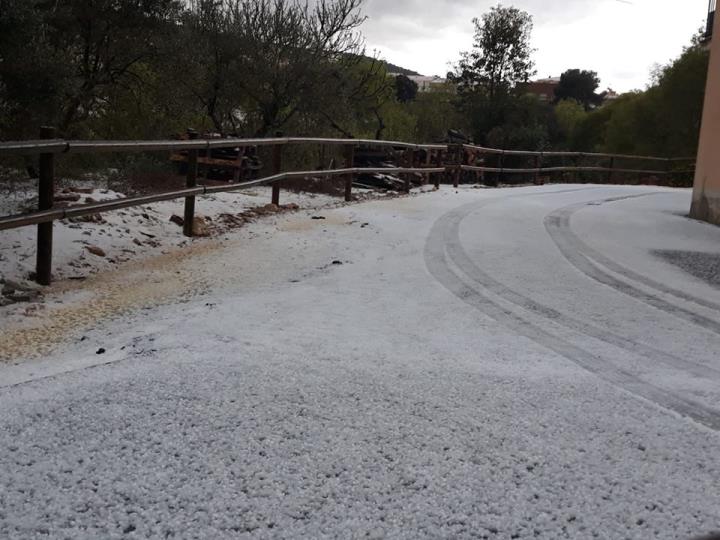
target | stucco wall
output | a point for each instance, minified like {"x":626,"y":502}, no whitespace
{"x":706,"y":195}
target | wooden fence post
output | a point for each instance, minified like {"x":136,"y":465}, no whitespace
{"x":407,"y":161}
{"x":610,"y":172}
{"x":575,"y":165}
{"x":459,"y":158}
{"x":501,"y":163}
{"x":276,"y":168}
{"x":448,"y":163}
{"x":428,"y":164}
{"x":191,"y":182}
{"x":349,"y":163}
{"x":538,"y":166}
{"x":438,"y":163}
{"x":46,"y":196}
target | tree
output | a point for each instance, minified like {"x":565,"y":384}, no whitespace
{"x":405,"y":89}
{"x":208,"y":62}
{"x":524,"y":125}
{"x":294,"y":54}
{"x":83,"y":48}
{"x":568,"y":115}
{"x":436,"y":114}
{"x":269,"y":61}
{"x":665,"y":119}
{"x":579,"y":85}
{"x":33,"y":74}
{"x":357,"y":98}
{"x":681,"y":94}
{"x":501,"y":54}
{"x":589,"y":134}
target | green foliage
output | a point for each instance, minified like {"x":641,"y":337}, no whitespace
{"x":61,"y":57}
{"x":405,"y":88}
{"x":568,"y":115}
{"x":525,"y":125}
{"x":392,"y":68}
{"x":501,"y":54}
{"x":664,"y":120}
{"x":363,"y":94}
{"x":33,"y":74}
{"x":98,"y":67}
{"x":589,"y":134}
{"x":681,"y":92}
{"x":436,"y":112}
{"x":149,"y":109}
{"x":400,"y":123}
{"x":579,"y":86}
{"x":124,"y":69}
{"x":259,"y":65}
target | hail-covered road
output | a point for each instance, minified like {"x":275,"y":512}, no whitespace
{"x":509,"y":363}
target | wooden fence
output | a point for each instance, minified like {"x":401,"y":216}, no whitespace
{"x":538,"y":167}
{"x":424,"y":159}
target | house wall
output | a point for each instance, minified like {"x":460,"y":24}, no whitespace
{"x":706,"y":193}
{"x":545,"y":91}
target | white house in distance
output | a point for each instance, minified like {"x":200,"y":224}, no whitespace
{"x":425,"y":84}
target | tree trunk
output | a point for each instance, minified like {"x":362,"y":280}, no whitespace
{"x":381,"y":125}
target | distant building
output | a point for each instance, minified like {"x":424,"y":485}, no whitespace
{"x":609,"y":96}
{"x":706,"y":193}
{"x":425,"y":84}
{"x":544,"y":89}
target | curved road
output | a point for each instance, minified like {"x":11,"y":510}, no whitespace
{"x":507,"y":363}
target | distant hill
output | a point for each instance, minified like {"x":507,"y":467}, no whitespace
{"x":392,"y":68}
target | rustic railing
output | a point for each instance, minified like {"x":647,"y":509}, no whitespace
{"x":425,"y":159}
{"x":469,"y":155}
{"x":49,"y":148}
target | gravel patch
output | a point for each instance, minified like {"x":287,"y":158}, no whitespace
{"x":704,"y":266}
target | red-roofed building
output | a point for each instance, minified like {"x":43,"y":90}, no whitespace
{"x":544,"y":89}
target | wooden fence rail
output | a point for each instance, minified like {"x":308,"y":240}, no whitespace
{"x":439,"y":159}
{"x":485,"y":150}
{"x":659,"y":166}
{"x":58,"y":146}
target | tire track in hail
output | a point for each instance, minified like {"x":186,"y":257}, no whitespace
{"x":443,"y":249}
{"x":460,"y":258}
{"x":586,"y":260}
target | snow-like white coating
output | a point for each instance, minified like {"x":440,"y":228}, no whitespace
{"x":509,"y":363}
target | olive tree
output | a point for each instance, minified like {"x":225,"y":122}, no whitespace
{"x":258,"y":64}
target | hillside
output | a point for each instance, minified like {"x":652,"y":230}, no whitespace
{"x":392,"y":68}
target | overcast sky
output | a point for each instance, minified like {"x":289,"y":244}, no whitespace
{"x":620,"y":39}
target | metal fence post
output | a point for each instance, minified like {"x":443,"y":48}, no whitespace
{"x":276,"y":168}
{"x":349,"y":163}
{"x":190,"y":182}
{"x":46,"y":196}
